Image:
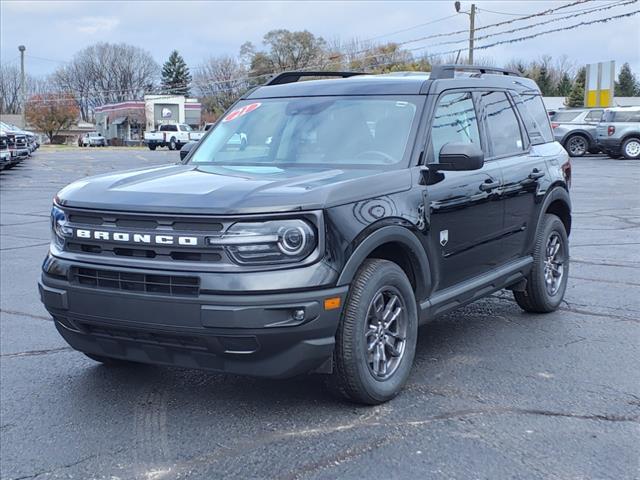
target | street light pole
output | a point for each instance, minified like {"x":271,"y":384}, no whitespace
{"x":23,"y":95}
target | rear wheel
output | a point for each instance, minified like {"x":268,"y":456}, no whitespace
{"x":631,"y":148}
{"x":576,"y":145}
{"x":172,"y":144}
{"x":547,"y":281}
{"x":376,"y":337}
{"x":152,"y":147}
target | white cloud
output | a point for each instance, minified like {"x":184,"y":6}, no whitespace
{"x":93,"y":25}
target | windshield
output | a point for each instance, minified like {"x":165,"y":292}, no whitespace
{"x":565,"y":116}
{"x":326,"y":131}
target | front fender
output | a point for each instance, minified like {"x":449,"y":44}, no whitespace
{"x":391,"y":234}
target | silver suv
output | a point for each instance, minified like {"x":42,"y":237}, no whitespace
{"x":619,"y":132}
{"x":576,"y":130}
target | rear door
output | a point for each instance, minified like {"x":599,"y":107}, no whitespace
{"x":466,"y":216}
{"x":522,"y":158}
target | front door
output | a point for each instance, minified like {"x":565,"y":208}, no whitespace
{"x":465,"y":211}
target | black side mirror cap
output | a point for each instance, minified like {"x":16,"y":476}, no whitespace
{"x":186,"y":148}
{"x":459,"y":157}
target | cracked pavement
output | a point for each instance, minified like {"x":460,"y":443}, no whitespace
{"x":494,"y":393}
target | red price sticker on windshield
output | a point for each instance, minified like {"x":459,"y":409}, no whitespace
{"x":239,"y":112}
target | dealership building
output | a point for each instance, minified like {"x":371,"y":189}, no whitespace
{"x":125,"y":122}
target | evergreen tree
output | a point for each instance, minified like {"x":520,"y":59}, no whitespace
{"x":544,"y":82}
{"x":576,"y":97}
{"x":564,"y":85}
{"x":175,"y":75}
{"x":627,"y":84}
{"x":581,"y":77}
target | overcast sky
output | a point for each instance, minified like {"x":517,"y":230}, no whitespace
{"x":53,"y":31}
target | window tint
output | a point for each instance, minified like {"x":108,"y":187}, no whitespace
{"x":566,"y":116}
{"x":536,"y":119}
{"x":168,"y":128}
{"x":502,"y":123}
{"x":625,"y":116}
{"x":455,"y":121}
{"x":594,"y":116}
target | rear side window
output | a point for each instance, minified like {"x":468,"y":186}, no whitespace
{"x":535,"y":117}
{"x":168,"y":128}
{"x":594,"y":116}
{"x":566,"y":116}
{"x":502,"y":125}
{"x":455,"y":121}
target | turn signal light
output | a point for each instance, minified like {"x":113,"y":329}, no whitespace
{"x":331,"y":303}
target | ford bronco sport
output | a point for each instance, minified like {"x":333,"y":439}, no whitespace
{"x":362,"y":207}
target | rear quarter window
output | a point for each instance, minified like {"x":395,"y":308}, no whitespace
{"x":535,"y":117}
{"x":624,"y":117}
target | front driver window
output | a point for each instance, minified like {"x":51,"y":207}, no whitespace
{"x":455,"y":121}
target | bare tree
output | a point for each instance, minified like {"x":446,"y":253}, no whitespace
{"x":107,"y":73}
{"x":10,"y":101}
{"x":220,"y":81}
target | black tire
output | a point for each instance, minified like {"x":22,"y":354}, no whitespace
{"x":539,"y":296}
{"x":576,"y":145}
{"x":172,"y":144}
{"x":354,"y":376}
{"x":631,"y":148}
{"x":108,"y":361}
{"x":152,"y":147}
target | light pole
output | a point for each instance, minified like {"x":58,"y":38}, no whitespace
{"x":472,"y":21}
{"x":23,"y":95}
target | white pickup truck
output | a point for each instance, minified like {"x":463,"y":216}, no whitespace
{"x":196,"y":136}
{"x":173,"y":135}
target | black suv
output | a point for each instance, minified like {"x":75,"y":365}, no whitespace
{"x":361,"y":207}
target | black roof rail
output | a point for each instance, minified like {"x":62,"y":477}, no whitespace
{"x":449,"y":71}
{"x":292,"y":77}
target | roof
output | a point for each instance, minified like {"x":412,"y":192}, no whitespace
{"x":399,"y":83}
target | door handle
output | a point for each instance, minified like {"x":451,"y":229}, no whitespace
{"x":536,"y":174}
{"x":489,"y":185}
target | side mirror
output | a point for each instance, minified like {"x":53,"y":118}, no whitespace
{"x":186,"y":148}
{"x":459,"y":157}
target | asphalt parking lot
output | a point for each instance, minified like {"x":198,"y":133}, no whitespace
{"x":495,"y":393}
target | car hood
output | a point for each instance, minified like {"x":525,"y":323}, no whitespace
{"x":230,"y":190}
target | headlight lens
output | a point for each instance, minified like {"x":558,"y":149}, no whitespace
{"x":59,"y":226}
{"x":284,"y":241}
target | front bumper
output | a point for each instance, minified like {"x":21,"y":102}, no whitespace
{"x":19,"y":152}
{"x":248,"y":334}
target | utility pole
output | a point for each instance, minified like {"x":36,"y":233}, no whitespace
{"x":23,"y":95}
{"x":472,"y":27}
{"x":472,"y":31}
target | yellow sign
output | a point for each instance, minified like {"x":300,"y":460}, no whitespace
{"x":599,"y":84}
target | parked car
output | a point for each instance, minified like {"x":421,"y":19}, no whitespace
{"x":5,"y":155}
{"x":17,"y":142}
{"x":92,"y":139}
{"x":575,"y":130}
{"x":173,"y":135}
{"x":323,"y":249}
{"x":619,"y":132}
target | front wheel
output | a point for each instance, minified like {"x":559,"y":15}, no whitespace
{"x":631,"y":148}
{"x":377,"y":334}
{"x":172,"y":144}
{"x":547,"y":281}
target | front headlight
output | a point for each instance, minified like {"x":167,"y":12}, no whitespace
{"x":278,"y":241}
{"x":59,"y":226}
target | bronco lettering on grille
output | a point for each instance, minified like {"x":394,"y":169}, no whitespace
{"x":136,"y":237}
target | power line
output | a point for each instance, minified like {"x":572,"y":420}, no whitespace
{"x":520,"y":14}
{"x":411,"y":28}
{"x":534,"y":25}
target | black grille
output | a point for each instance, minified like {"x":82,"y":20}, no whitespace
{"x":137,"y":282}
{"x":164,"y":339}
{"x":147,"y":224}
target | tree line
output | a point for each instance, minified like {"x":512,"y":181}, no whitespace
{"x":107,"y":73}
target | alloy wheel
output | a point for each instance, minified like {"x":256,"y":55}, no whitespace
{"x":577,"y":146}
{"x":554,"y":264}
{"x":386,"y":332}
